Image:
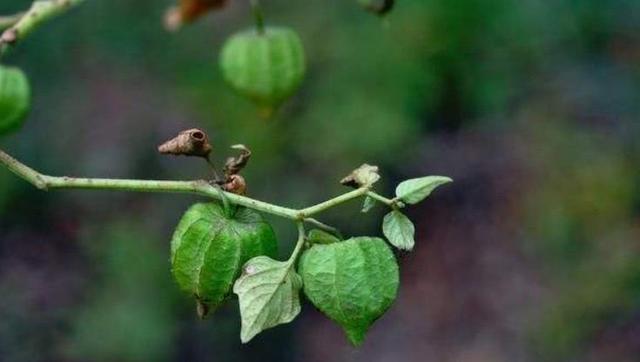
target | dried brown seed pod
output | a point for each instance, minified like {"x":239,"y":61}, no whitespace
{"x":235,"y":184}
{"x":235,"y":164}
{"x":192,"y":142}
{"x":188,"y":11}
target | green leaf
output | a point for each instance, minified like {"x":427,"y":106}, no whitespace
{"x":269,"y":294}
{"x":317,"y":236}
{"x":415,"y":190}
{"x":209,"y":248}
{"x":353,"y":282}
{"x":368,"y":204}
{"x":399,"y":230}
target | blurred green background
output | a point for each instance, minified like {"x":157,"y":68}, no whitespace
{"x":532,"y":107}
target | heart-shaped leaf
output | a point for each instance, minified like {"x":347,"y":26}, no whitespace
{"x":208,"y":250}
{"x":399,"y":230}
{"x":353,"y":282}
{"x":269,"y":295}
{"x":415,"y":190}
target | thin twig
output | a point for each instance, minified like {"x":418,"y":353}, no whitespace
{"x":40,"y":12}
{"x":382,"y":199}
{"x":198,"y":187}
{"x":299,"y":244}
{"x":333,"y":202}
{"x":8,"y":21}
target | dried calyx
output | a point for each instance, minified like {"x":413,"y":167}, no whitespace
{"x":365,"y":175}
{"x":233,"y":181}
{"x":195,"y":142}
{"x":192,"y":142}
{"x":235,"y":164}
{"x":235,"y":184}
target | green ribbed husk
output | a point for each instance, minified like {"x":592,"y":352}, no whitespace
{"x":15,"y":98}
{"x":209,"y":248}
{"x":266,"y":68}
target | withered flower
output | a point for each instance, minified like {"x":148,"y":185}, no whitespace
{"x":234,"y":165}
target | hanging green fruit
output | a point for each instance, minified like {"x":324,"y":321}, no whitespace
{"x":379,"y":7}
{"x":210,"y":246}
{"x":15,"y":96}
{"x":266,"y":66}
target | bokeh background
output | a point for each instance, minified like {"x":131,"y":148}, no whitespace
{"x":533,"y":107}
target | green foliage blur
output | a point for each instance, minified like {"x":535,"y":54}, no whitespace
{"x":533,"y":108}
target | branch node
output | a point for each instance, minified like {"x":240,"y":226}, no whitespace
{"x":40,"y":183}
{"x":9,"y":37}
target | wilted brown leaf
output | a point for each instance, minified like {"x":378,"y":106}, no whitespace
{"x":188,"y":11}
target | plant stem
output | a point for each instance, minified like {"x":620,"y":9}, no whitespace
{"x":9,"y":20}
{"x":40,"y":12}
{"x":258,"y":16}
{"x":198,"y":187}
{"x":333,"y":202}
{"x":382,"y":199}
{"x":299,"y":243}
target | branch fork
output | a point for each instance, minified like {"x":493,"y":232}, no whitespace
{"x":18,"y":26}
